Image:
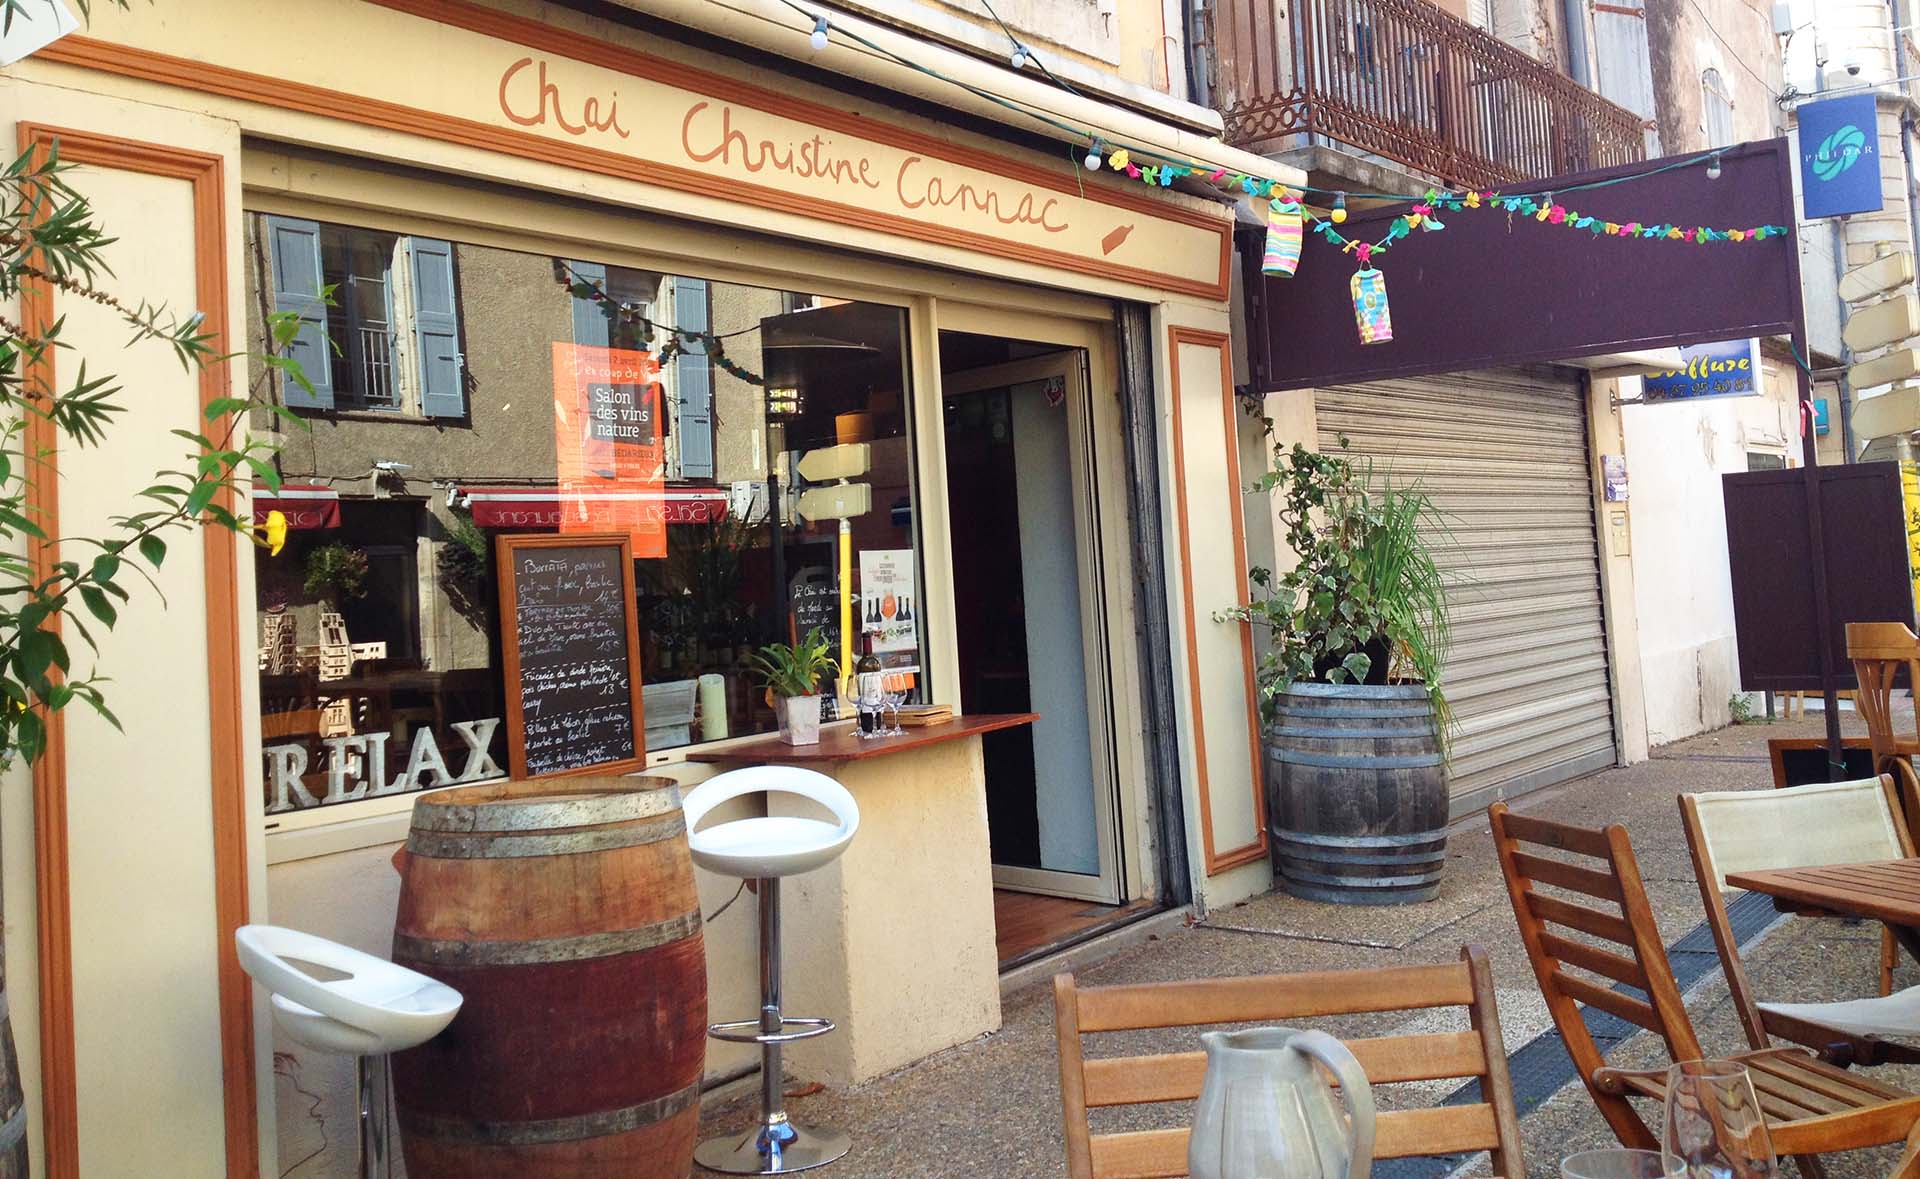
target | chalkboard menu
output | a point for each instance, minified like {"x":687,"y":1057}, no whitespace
{"x":570,"y":640}
{"x":814,"y":600}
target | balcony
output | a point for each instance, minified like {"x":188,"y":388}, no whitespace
{"x":1403,"y":80}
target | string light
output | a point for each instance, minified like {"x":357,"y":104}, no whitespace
{"x":1339,"y":213}
{"x":1093,"y":157}
{"x":819,"y":38}
{"x":1019,"y":58}
{"x":1713,"y":167}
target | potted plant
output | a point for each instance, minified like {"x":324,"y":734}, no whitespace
{"x":793,"y":673}
{"x":336,"y":573}
{"x":1355,"y":713}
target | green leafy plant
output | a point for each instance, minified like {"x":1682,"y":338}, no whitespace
{"x":1740,"y":709}
{"x":336,"y":572}
{"x":1367,"y":601}
{"x":466,"y":567}
{"x":796,"y":669}
{"x":54,"y":586}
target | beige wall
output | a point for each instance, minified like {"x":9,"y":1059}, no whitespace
{"x":145,"y":945}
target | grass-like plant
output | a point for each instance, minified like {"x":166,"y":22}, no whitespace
{"x":1367,"y":602}
{"x":796,"y":669}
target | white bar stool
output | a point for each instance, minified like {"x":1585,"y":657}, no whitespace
{"x":764,"y":849}
{"x":375,"y":1008}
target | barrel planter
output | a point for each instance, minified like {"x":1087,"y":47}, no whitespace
{"x":1356,"y":793}
{"x":565,"y":913}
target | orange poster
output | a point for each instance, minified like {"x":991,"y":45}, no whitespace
{"x":606,"y":423}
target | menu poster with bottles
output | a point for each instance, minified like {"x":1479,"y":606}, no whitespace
{"x":569,"y":634}
{"x":889,"y":604}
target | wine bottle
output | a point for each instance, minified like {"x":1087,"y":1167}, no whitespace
{"x":866,"y":685}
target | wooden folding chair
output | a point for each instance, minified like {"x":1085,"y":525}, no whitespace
{"x":1879,"y":650}
{"x":1811,"y":1107}
{"x":1101,"y":1082}
{"x":1804,"y":826}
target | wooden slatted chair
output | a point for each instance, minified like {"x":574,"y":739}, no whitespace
{"x":1606,"y":934}
{"x":1879,"y":651}
{"x":1801,"y":826}
{"x":1101,"y":1082}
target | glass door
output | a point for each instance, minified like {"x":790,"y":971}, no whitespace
{"x":1029,"y":616}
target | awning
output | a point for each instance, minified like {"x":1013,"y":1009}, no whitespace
{"x":305,"y":505}
{"x":539,"y":507}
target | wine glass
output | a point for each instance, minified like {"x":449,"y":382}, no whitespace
{"x":1713,"y":1122}
{"x":896,"y":695}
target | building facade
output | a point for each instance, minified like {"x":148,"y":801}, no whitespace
{"x":633,"y":270}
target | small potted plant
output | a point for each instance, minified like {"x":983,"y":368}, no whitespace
{"x":793,"y":673}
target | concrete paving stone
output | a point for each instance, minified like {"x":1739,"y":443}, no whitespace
{"x":990,"y":1109}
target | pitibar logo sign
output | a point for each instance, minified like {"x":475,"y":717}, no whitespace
{"x":1840,"y":156}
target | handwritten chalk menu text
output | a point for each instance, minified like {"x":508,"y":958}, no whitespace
{"x":569,"y":633}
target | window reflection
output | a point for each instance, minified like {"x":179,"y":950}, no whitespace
{"x":463,"y":392}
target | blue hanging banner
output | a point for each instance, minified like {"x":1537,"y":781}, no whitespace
{"x":1729,"y":369}
{"x":1839,"y":156}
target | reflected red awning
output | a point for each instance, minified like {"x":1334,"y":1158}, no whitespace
{"x":539,"y":507}
{"x":305,"y":505}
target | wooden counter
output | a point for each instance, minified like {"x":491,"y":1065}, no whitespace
{"x":895,"y":939}
{"x":844,"y":743}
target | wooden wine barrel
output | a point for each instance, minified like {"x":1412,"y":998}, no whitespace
{"x":1356,"y":794}
{"x":564,"y":912}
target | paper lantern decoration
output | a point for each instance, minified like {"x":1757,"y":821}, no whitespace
{"x":1283,"y":238}
{"x":1370,"y":306}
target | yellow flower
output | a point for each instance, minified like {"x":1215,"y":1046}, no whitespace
{"x":1738,"y":235}
{"x":276,"y":533}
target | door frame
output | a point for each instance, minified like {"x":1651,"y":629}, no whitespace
{"x":1071,"y":364}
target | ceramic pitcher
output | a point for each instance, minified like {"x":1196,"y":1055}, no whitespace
{"x":1279,"y":1116}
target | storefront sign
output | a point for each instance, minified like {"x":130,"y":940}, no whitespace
{"x":538,"y":90}
{"x":1839,"y":156}
{"x":1729,"y":369}
{"x":356,"y":766}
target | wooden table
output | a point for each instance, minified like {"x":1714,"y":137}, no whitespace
{"x":844,"y":743}
{"x":1886,"y":890}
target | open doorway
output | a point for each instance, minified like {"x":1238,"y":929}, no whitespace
{"x":1030,"y":614}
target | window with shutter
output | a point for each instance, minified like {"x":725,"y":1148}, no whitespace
{"x":1716,"y":110}
{"x":592,"y":327}
{"x":294,"y":247}
{"x":693,"y":381}
{"x":436,"y":330}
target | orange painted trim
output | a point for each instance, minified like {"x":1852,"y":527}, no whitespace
{"x":207,"y":177}
{"x":1217,"y":861}
{"x":130,"y":61}
{"x":59,"y":1088}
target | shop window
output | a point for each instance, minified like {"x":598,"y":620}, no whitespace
{"x":683,"y":412}
{"x":391,"y":330}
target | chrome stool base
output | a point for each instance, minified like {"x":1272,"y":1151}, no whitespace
{"x":773,"y":1145}
{"x":754,"y":1154}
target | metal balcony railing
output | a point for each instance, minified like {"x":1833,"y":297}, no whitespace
{"x":1404,"y":80}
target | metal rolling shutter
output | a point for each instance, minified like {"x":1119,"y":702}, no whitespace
{"x":1504,"y":454}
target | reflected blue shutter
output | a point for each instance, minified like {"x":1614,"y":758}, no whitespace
{"x":693,"y":381}
{"x":590,"y":326}
{"x":294,"y":246}
{"x":436,"y":330}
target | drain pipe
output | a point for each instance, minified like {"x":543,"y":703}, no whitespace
{"x":1573,"y":14}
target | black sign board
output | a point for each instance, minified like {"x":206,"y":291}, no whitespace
{"x":569,"y":632}
{"x":814,"y":601}
{"x":1773,"y":530}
